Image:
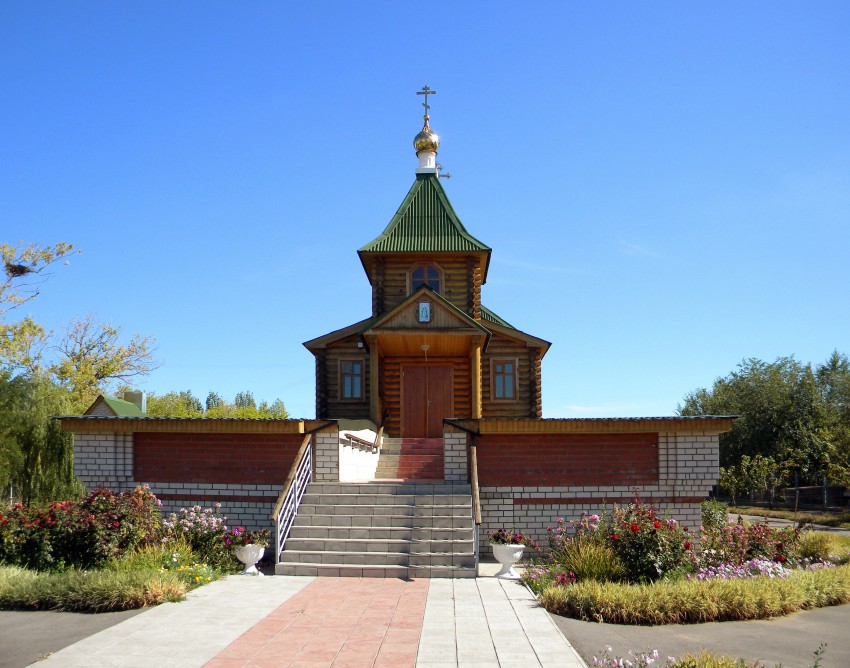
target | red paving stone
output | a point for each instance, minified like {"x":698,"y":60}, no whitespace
{"x":339,"y":622}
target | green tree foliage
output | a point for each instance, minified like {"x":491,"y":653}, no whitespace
{"x":174,"y":404}
{"x":245,"y":400}
{"x":214,"y":400}
{"x":24,"y":270}
{"x":790,"y":413}
{"x":36,"y":456}
{"x":87,"y":357}
{"x":756,"y":474}
{"x":185,"y":404}
{"x":91,"y":356}
{"x":43,"y":374}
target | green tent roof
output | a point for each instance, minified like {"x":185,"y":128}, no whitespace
{"x":425,"y":222}
{"x":488,"y":316}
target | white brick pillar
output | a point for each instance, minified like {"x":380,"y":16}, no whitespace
{"x":104,"y":458}
{"x":326,"y":453}
{"x":455,"y":454}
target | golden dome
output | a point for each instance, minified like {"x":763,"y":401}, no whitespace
{"x":426,"y":140}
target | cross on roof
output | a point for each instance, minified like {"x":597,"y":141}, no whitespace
{"x":426,"y":92}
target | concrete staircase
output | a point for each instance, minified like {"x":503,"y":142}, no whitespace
{"x":382,"y":529}
{"x":411,"y":459}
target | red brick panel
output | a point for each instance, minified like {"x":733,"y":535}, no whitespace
{"x":263,"y":459}
{"x":567,"y":459}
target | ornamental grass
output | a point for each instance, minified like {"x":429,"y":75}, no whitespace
{"x":88,"y":591}
{"x":690,"y":601}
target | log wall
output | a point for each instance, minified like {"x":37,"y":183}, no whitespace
{"x":334,"y":405}
{"x":461,"y":281}
{"x":527,"y":402}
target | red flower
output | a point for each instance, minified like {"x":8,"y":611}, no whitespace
{"x":635,"y":528}
{"x":615,"y":536}
{"x":657,"y":524}
{"x":687,"y":545}
{"x":780,"y":559}
{"x":115,"y":524}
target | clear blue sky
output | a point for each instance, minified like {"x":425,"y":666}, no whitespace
{"x":670,"y":181}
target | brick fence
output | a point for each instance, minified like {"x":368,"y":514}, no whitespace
{"x":529,"y":479}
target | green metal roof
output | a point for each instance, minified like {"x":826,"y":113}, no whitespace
{"x":489,"y":316}
{"x":425,"y":222}
{"x":123,"y":408}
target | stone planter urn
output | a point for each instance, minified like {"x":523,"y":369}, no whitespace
{"x":507,"y":556}
{"x":249,"y":555}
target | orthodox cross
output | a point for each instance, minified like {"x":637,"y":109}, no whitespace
{"x":426,"y":92}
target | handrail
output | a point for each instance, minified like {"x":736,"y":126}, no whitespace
{"x":286,"y":508}
{"x":290,"y":476}
{"x":356,"y":440}
{"x":473,"y":474}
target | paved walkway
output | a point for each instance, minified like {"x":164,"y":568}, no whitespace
{"x":788,"y":640}
{"x":779,"y":522}
{"x":340,"y":622}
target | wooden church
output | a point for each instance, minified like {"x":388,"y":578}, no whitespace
{"x":430,"y":348}
{"x":428,"y":430}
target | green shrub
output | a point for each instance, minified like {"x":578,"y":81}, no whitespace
{"x":735,"y":544}
{"x":692,"y":601}
{"x":589,"y":558}
{"x":156,"y":556}
{"x":714,"y":514}
{"x":648,"y":545}
{"x":815,"y":545}
{"x":204,"y":530}
{"x":78,"y":534}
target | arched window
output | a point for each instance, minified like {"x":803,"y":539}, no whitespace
{"x":425,"y":274}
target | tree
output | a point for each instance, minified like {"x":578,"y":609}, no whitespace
{"x":90,"y":356}
{"x":788,"y":412}
{"x":185,"y":404}
{"x":214,"y":400}
{"x":22,"y":345}
{"x":766,"y":475}
{"x":24,"y":268}
{"x":36,"y":456}
{"x":174,"y":404}
{"x":244,"y":400}
{"x":40,"y":378}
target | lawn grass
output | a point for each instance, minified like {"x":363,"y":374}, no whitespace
{"x":88,"y":591}
{"x":830,"y":518}
{"x":694,"y":601}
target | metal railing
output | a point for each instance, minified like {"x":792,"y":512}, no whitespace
{"x":476,"y":501}
{"x":286,"y":508}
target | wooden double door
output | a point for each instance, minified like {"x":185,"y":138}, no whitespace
{"x":426,"y":398}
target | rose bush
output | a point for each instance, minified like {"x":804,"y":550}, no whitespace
{"x":83,"y":533}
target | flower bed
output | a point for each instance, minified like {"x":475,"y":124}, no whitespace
{"x":111,"y":551}
{"x":639,"y":567}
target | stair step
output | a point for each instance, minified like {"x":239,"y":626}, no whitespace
{"x":386,"y":529}
{"x":384,"y":487}
{"x":347,"y":499}
{"x":365,"y":571}
{"x":408,"y":546}
{"x":387,"y":533}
